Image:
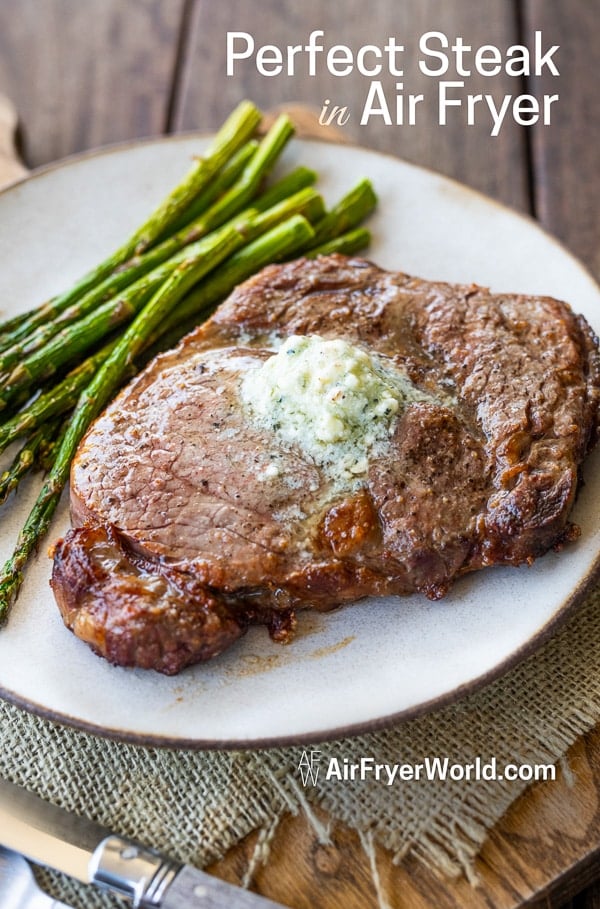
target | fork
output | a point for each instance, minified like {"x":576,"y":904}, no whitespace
{"x":18,"y":887}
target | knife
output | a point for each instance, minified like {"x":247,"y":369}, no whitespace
{"x":48,"y":835}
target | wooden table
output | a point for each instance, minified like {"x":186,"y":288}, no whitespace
{"x":84,"y":73}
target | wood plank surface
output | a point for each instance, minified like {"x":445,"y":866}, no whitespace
{"x":493,"y":165}
{"x":589,"y":900}
{"x":85,"y":73}
{"x":566,"y":155}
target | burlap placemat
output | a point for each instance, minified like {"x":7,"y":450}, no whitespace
{"x":196,"y":805}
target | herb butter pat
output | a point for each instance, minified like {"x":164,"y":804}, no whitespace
{"x":329,"y":397}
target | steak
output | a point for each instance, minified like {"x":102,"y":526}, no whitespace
{"x":184,"y":533}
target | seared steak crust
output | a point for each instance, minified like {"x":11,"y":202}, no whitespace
{"x":176,"y":480}
{"x":165,"y":620}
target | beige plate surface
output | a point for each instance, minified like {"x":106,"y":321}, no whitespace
{"x":361,"y":666}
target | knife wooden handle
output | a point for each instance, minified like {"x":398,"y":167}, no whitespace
{"x":193,"y":889}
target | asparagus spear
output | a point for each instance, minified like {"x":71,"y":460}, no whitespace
{"x":242,"y":264}
{"x":236,"y":130}
{"x":9,"y":325}
{"x":125,"y":273}
{"x":347,"y":243}
{"x":222,"y":181}
{"x":66,"y":342}
{"x":292,"y":234}
{"x":291,"y":183}
{"x":83,"y":334}
{"x":247,"y":186}
{"x":26,"y":458}
{"x":18,"y":336}
{"x":232,"y":202}
{"x":350,"y":210}
{"x":306,"y":202}
{"x":59,"y":399}
{"x":14,"y":346}
{"x":234,"y":133}
{"x":50,"y":445}
{"x":348,"y":213}
{"x":284,"y":188}
{"x":40,"y":336}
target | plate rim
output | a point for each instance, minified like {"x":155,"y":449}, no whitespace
{"x":148,"y":740}
{"x":542,"y":635}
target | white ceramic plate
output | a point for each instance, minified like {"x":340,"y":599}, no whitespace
{"x":366,"y":664}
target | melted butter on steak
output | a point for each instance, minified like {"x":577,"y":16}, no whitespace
{"x":333,"y":399}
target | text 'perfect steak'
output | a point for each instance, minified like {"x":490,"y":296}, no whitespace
{"x":192,"y":519}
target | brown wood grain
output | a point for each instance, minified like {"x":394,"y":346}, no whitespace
{"x":494,"y":165}
{"x":84,"y":74}
{"x":589,"y":900}
{"x":545,"y":849}
{"x":566,"y":155}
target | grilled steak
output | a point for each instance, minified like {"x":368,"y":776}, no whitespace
{"x":192,"y":520}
